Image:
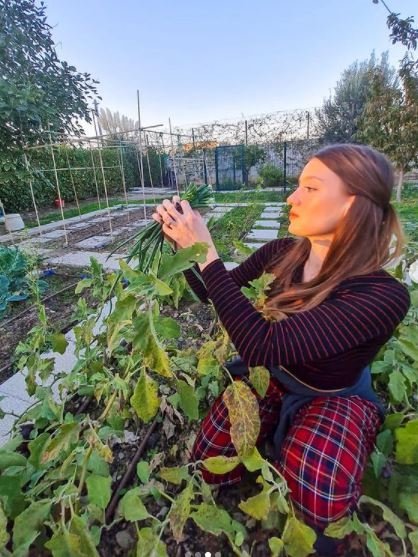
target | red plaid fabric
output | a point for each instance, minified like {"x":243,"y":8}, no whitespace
{"x":323,"y":456}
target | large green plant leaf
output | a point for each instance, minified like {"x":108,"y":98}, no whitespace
{"x":28,"y":524}
{"x":131,"y":506}
{"x":99,"y":490}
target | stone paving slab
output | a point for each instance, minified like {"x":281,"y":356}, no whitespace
{"x":254,"y":245}
{"x":261,"y":234}
{"x":79,"y":226}
{"x":95,"y":242}
{"x":55,"y":234}
{"x":101,"y":219}
{"x":269,"y":216}
{"x":229,"y":265}
{"x":82,"y":259}
{"x":267,"y":224}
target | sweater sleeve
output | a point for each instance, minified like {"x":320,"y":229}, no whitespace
{"x":249,"y":270}
{"x":359,"y":310}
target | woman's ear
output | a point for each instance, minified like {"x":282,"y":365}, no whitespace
{"x":348,"y":204}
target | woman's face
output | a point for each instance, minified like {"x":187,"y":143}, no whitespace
{"x":319,"y":202}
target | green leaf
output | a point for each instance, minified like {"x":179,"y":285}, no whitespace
{"x":298,"y":538}
{"x":253,"y":461}
{"x":79,"y":529}
{"x":175,"y":475}
{"x":408,"y":501}
{"x":257,"y":506}
{"x":36,"y":448}
{"x":260,"y":379}
{"x":341,"y":528}
{"x":167,"y":327}
{"x":180,"y":512}
{"x":243,"y":415}
{"x":143,"y":471}
{"x":276,"y":546}
{"x":221,"y":464}
{"x":4,"y":536}
{"x":407,"y":443}
{"x":413,"y":538}
{"x":397,"y":386}
{"x":216,"y":521}
{"x":388,"y":515}
{"x":145,"y":399}
{"x":188,"y":401}
{"x":118,"y":319}
{"x":99,"y":490}
{"x":384,"y":442}
{"x":182,"y":260}
{"x":207,"y":363}
{"x":8,"y":459}
{"x":131,"y":506}
{"x":59,"y":343}
{"x":28,"y":524}
{"x":149,"y":544}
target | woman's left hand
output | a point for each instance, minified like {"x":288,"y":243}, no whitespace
{"x":186,"y":227}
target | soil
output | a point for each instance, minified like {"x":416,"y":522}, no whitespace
{"x":23,"y":315}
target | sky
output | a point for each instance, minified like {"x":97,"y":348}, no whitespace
{"x":195,"y":61}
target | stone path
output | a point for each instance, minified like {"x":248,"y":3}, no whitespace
{"x":14,"y":389}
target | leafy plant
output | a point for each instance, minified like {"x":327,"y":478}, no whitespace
{"x":149,"y":240}
{"x":15,"y":280}
{"x":271,"y":176}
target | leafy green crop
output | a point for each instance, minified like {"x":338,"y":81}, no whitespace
{"x":15,"y":268}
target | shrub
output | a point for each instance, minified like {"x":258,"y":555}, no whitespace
{"x":271,"y":176}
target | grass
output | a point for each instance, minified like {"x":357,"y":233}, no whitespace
{"x":233,"y":226}
{"x":85,"y":207}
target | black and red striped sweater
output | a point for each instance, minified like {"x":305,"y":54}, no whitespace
{"x":326,"y":347}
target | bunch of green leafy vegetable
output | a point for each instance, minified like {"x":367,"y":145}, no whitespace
{"x":15,"y":277}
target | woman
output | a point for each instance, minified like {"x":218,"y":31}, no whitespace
{"x":333,"y":307}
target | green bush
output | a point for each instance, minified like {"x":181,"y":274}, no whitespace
{"x":85,"y":172}
{"x":271,"y":176}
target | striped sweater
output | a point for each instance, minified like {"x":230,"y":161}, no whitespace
{"x":325,"y":347}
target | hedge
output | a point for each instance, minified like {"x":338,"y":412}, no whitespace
{"x":14,"y":180}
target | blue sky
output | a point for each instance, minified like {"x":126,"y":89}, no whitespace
{"x":200,"y":61}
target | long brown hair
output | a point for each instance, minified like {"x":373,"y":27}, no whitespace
{"x":367,"y":238}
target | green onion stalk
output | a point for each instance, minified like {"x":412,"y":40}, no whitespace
{"x":149,"y":241}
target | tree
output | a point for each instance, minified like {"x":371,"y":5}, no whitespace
{"x":339,"y":115}
{"x":390,"y":121}
{"x":402,"y":31}
{"x":37,"y":90}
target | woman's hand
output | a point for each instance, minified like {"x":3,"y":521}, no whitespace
{"x":184,"y":226}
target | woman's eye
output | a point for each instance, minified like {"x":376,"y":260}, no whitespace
{"x":309,"y":189}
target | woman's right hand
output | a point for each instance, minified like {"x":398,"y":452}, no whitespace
{"x":157,"y":217}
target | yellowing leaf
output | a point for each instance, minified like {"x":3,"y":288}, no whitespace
{"x":221,"y":464}
{"x":174,"y":475}
{"x":276,"y":546}
{"x":4,"y":536}
{"x":180,"y":512}
{"x":253,"y":461}
{"x":149,"y":544}
{"x":407,"y":443}
{"x":244,"y":416}
{"x":66,"y":435}
{"x":260,"y":379}
{"x":257,"y":506}
{"x":298,"y":538}
{"x":145,"y":399}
